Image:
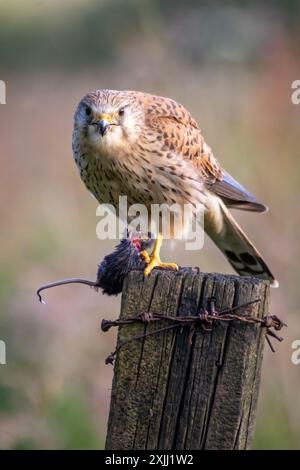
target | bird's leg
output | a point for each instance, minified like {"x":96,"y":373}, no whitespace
{"x":154,"y":261}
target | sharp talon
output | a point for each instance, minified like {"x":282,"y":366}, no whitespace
{"x":171,"y":266}
{"x":156,"y":263}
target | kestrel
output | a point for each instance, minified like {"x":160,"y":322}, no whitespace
{"x":151,"y":149}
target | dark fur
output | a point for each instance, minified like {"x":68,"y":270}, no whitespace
{"x":115,"y":266}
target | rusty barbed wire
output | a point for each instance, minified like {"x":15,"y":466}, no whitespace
{"x":204,"y":319}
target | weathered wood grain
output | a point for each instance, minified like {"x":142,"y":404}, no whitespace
{"x":177,"y":391}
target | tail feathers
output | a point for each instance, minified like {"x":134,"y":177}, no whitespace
{"x":246,"y":206}
{"x":238,"y":249}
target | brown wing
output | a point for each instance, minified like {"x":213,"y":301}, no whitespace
{"x":182,"y":135}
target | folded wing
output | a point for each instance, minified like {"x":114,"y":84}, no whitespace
{"x":234,"y":195}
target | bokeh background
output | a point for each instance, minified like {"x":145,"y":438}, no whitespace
{"x":232,"y":65}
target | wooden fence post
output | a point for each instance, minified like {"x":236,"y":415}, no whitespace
{"x":176,"y":391}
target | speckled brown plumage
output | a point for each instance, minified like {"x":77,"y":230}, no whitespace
{"x":153,"y":151}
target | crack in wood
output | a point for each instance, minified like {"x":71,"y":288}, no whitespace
{"x":169,"y":394}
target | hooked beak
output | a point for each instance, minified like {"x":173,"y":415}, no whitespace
{"x":103,"y":123}
{"x":103,"y":126}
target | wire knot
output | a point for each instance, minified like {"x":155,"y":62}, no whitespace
{"x":205,"y":318}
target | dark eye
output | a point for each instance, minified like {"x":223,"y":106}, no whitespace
{"x":121,"y":112}
{"x":88,"y":111}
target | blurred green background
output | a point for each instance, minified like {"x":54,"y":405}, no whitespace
{"x":232,"y":65}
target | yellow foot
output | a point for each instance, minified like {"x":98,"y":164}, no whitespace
{"x":155,"y":262}
{"x":145,"y":255}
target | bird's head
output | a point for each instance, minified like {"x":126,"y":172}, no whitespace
{"x":110,"y":119}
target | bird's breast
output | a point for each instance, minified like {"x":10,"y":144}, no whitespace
{"x":144,"y":177}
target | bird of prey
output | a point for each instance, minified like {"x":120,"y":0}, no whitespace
{"x":151,"y":149}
